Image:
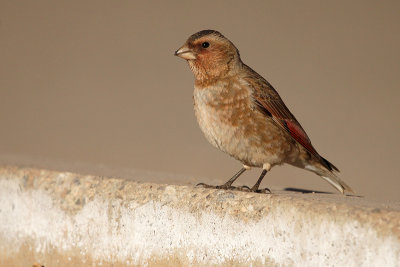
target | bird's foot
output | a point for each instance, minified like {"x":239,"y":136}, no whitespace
{"x":263,"y":191}
{"x":224,"y":186}
{"x":245,"y":188}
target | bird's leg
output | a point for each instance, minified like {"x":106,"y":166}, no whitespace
{"x":228,"y":184}
{"x":257,"y":184}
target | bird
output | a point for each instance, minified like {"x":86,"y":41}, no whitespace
{"x":241,"y":114}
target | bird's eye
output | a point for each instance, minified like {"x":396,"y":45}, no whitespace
{"x":205,"y":44}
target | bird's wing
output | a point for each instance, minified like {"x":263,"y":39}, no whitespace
{"x":285,"y":119}
{"x":270,"y":103}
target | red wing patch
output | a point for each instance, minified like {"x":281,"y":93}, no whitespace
{"x":300,"y":135}
{"x":284,"y":118}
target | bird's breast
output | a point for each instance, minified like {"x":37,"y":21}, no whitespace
{"x":230,"y":122}
{"x":221,"y":111}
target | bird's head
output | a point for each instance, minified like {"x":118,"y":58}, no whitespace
{"x":210,"y":55}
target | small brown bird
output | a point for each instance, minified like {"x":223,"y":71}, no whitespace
{"x":241,"y":114}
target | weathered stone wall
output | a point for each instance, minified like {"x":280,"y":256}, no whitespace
{"x":64,"y":219}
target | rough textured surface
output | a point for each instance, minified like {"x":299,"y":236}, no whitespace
{"x":59,"y":219}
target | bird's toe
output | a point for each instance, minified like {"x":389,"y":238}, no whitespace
{"x":205,"y":185}
{"x":263,"y":191}
{"x":243,"y":188}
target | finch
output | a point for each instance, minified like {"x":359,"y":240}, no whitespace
{"x":241,"y":113}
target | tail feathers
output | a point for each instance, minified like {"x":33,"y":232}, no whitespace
{"x":329,"y":165}
{"x":338,"y":184}
{"x":328,"y":171}
{"x":333,"y":179}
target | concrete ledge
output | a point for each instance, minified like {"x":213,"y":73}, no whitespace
{"x":65,"y":219}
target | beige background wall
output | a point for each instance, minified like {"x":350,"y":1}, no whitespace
{"x":95,"y":83}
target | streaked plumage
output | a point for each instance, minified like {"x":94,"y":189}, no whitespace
{"x":241,"y":114}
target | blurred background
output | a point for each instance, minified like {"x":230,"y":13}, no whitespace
{"x":93,"y":87}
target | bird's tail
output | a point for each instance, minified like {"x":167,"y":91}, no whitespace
{"x":328,"y":172}
{"x":338,"y":184}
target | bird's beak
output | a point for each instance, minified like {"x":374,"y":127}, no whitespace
{"x":185,"y":53}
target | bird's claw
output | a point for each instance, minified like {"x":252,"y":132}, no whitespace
{"x":224,"y":186}
{"x":262,"y":191}
{"x":243,"y":188}
{"x":204,"y":185}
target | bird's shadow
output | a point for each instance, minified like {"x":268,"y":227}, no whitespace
{"x":304,"y":191}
